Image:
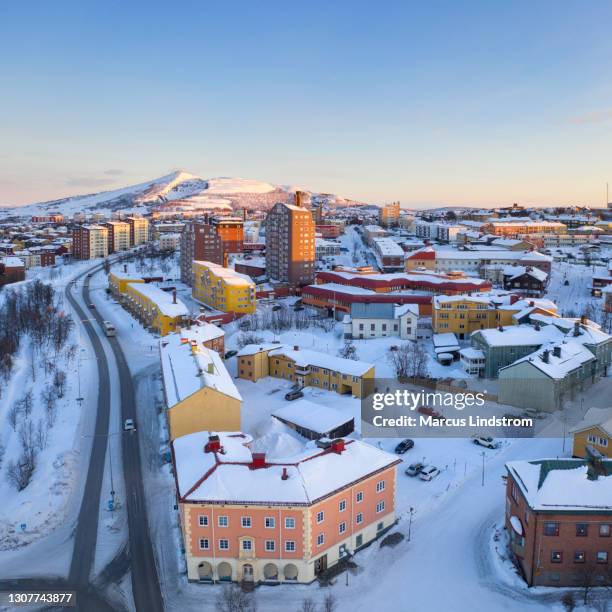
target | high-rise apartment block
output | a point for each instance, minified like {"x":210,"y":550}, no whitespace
{"x":118,"y":236}
{"x":139,"y":230}
{"x":290,"y":243}
{"x":90,"y":241}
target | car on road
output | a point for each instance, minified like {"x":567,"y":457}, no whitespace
{"x":92,"y":306}
{"x":404,"y":445}
{"x":486,"y":441}
{"x":414,"y":469}
{"x":230,"y":354}
{"x":429,"y":472}
{"x":430,"y":412}
{"x":128,"y":425}
{"x":293,"y":395}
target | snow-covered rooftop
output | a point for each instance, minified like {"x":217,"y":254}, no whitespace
{"x":520,"y":335}
{"x":309,"y":415}
{"x":306,"y":357}
{"x":164,"y":300}
{"x":228,"y":275}
{"x":600,"y":417}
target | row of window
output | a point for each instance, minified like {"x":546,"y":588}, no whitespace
{"x":247,"y":545}
{"x":551,"y":528}
{"x":556,"y":556}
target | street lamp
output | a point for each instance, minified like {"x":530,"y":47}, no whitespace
{"x":483,"y":466}
{"x":410,"y":522}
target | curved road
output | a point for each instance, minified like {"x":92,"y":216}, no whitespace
{"x":141,"y":560}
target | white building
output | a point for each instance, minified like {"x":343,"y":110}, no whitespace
{"x":382,"y":320}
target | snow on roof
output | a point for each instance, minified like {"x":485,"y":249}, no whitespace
{"x":471,"y":353}
{"x":445,"y":340}
{"x":228,"y":477}
{"x":309,"y":415}
{"x":188,"y":366}
{"x":252,"y":349}
{"x":519,"y":335}
{"x":403,"y":309}
{"x":563,"y":484}
{"x":438,"y":300}
{"x":501,"y":254}
{"x":228,"y":275}
{"x":600,"y":417}
{"x":430,"y":277}
{"x":306,"y":357}
{"x":164,"y":300}
{"x":11,"y":262}
{"x":516,"y":271}
{"x":388,"y":247}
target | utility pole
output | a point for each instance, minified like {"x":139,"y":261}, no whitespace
{"x":483,"y":466}
{"x":410,"y":522}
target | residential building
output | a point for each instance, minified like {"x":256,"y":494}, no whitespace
{"x":472,"y":361}
{"x":169,"y":241}
{"x":248,"y":518}
{"x":118,"y":282}
{"x":315,"y":421}
{"x":389,"y":254}
{"x":389,"y":215}
{"x":559,"y":520}
{"x":524,"y":227}
{"x":199,"y":392}
{"x":139,"y":230}
{"x":593,"y":434}
{"x":155,"y":308}
{"x":525,"y":279}
{"x":223,"y":288}
{"x":89,"y":241}
{"x":290,"y":244}
{"x":372,"y":320}
{"x":306,"y":368}
{"x":12,"y":270}
{"x":118,"y":236}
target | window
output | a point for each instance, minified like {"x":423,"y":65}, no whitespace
{"x":289,"y":546}
{"x":247,"y":544}
{"x":526,"y":517}
{"x":359,"y":496}
{"x":320,"y":516}
{"x":223,"y":521}
{"x":579,"y":556}
{"x":203,"y":520}
{"x":269,"y":522}
{"x":380,"y":506}
{"x":514,"y":492}
{"x":358,"y":541}
{"x":582,"y":530}
{"x":289,"y":523}
{"x":380,"y":526}
{"x":320,"y":539}
{"x":359,"y":518}
{"x":342,"y":527}
{"x":556,"y":556}
{"x":604,"y":530}
{"x":223,"y":544}
{"x":380,"y":486}
{"x":246,"y":522}
{"x":602,"y":556}
{"x":551,"y":529}
{"x":342,"y":506}
{"x":270,"y":545}
{"x":203,"y":543}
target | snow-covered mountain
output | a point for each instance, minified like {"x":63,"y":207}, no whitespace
{"x":177,"y":191}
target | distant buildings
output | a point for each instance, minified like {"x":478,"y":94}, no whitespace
{"x":389,"y":215}
{"x":559,"y":520}
{"x":290,"y":244}
{"x":199,"y":392}
{"x":306,"y":368}
{"x":223,"y":288}
{"x":526,"y":280}
{"x":119,"y":236}
{"x":90,"y":241}
{"x":139,"y":230}
{"x":248,"y":518}
{"x":12,"y":270}
{"x":593,"y":435}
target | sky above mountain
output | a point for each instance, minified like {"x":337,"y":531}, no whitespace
{"x":481,"y":103}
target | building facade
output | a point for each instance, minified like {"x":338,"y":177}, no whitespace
{"x":139,"y":230}
{"x":118,"y":236}
{"x":90,"y":241}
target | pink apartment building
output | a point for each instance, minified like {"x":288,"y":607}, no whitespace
{"x":244,"y":517}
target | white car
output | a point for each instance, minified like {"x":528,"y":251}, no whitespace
{"x":486,"y":441}
{"x":428,"y":472}
{"x":129,"y":425}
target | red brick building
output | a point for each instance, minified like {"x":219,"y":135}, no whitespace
{"x":559,"y":521}
{"x":12,"y":270}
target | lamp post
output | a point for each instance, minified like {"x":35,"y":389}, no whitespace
{"x":410,"y":522}
{"x":483,"y":467}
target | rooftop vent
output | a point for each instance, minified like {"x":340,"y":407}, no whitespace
{"x":576,"y":328}
{"x":557,"y":351}
{"x":545,"y":355}
{"x":258,"y":460}
{"x":285,"y":474}
{"x":324,"y":443}
{"x":337,"y":446}
{"x":213,"y":445}
{"x":296,"y":347}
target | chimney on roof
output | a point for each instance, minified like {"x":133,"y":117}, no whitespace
{"x":284,"y":475}
{"x":258,"y":460}
{"x":537,"y":326}
{"x":500,"y":328}
{"x":298,"y":198}
{"x":174,"y":296}
{"x":532,"y":303}
{"x":296,"y":347}
{"x":583,"y":319}
{"x":337,"y":446}
{"x":576,"y":328}
{"x":545,"y":355}
{"x":213,"y":445}
{"x":557,"y":351}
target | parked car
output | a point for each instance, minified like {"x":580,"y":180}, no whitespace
{"x":414,"y":469}
{"x":277,"y":307}
{"x":128,"y":425}
{"x":486,"y":441}
{"x":230,"y":354}
{"x":430,"y":412}
{"x":298,"y":308}
{"x":92,"y":307}
{"x":293,"y":395}
{"x":404,"y":445}
{"x":428,"y":472}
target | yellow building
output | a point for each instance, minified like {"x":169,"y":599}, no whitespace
{"x":462,"y":314}
{"x":139,"y":230}
{"x":118,"y":282}
{"x":199,"y":391}
{"x":160,"y":310}
{"x":389,"y":214}
{"x":223,"y":288}
{"x":593,"y":432}
{"x":306,"y":368}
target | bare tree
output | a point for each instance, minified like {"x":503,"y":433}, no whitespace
{"x":409,"y":360}
{"x":233,"y":599}
{"x":348,"y":351}
{"x":13,"y":416}
{"x":308,"y":605}
{"x":330,"y":603}
{"x":59,"y":382}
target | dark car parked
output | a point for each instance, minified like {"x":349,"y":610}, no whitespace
{"x":404,"y":445}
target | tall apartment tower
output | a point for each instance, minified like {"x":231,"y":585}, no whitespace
{"x":211,"y":239}
{"x":89,"y":241}
{"x":118,"y":236}
{"x":389,"y":214}
{"x":290,"y":243}
{"x":139,"y":230}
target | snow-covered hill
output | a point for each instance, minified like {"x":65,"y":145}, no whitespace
{"x":177,"y":191}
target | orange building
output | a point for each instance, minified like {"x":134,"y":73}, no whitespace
{"x":245,"y":518}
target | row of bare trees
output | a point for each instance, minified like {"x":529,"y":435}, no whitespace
{"x":283,"y":319}
{"x":235,"y":599}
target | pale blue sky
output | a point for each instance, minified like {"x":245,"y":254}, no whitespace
{"x":430,"y":103}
